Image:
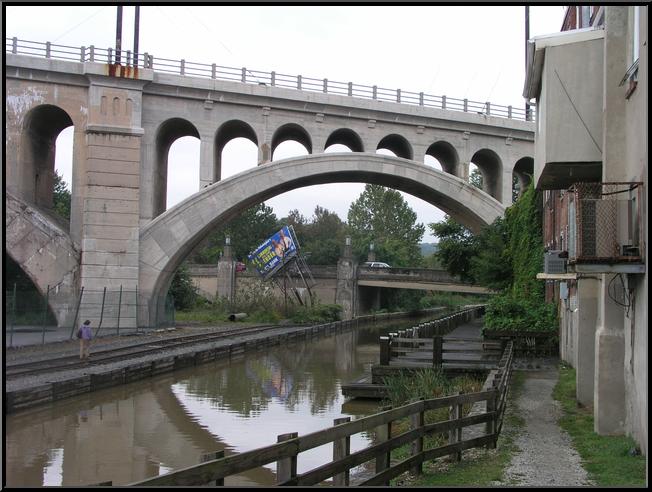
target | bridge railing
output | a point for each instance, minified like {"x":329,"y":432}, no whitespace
{"x":249,"y":76}
{"x":415,"y":274}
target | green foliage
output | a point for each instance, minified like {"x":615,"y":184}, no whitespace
{"x":505,"y":256}
{"x":182,"y":290}
{"x":491,"y":265}
{"x":607,"y":459}
{"x":381,"y":216}
{"x":322,"y":238}
{"x":456,"y":247}
{"x":61,"y":196}
{"x":475,"y":178}
{"x":525,"y":247}
{"x":505,"y":312}
{"x":246,"y":231}
{"x":320,"y":313}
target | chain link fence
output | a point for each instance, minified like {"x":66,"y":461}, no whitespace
{"x":111,"y":312}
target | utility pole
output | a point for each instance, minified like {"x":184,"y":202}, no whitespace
{"x":527,"y":37}
{"x":136,"y":29}
{"x":118,"y":36}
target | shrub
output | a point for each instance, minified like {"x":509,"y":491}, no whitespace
{"x":518,"y":314}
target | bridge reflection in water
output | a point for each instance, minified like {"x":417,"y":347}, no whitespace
{"x":132,"y":432}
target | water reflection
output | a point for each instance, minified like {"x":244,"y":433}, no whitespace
{"x":128,"y":433}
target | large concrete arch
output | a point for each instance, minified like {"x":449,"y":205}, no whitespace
{"x":33,"y":239}
{"x":167,"y":240}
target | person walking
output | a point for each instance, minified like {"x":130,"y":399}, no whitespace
{"x":85,"y":335}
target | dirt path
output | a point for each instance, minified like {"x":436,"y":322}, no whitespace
{"x":545,"y":457}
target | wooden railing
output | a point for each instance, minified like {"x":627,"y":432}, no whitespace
{"x":426,"y":337}
{"x":528,"y":343}
{"x":286,"y":452}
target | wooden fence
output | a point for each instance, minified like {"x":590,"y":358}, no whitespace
{"x":286,"y":452}
{"x":424,"y":344}
{"x":528,"y":343}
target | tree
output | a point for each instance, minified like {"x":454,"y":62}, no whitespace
{"x":456,"y":247}
{"x":246,"y":231}
{"x":182,"y":290}
{"x":324,"y":237}
{"x":475,"y":178}
{"x":61,"y":196}
{"x":382,"y":217}
{"x":492,"y":265}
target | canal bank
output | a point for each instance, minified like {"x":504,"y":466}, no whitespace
{"x":25,"y":392}
{"x":155,"y":425}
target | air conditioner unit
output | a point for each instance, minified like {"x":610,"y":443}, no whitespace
{"x":554,"y":262}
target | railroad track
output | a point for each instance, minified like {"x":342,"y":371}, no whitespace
{"x":99,"y":357}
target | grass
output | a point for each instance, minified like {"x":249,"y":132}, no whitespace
{"x":479,"y":467}
{"x":607,"y":459}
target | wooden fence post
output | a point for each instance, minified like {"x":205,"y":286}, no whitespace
{"x":455,"y":435}
{"x":341,"y":449}
{"x":437,"y":351}
{"x":491,"y":424}
{"x":383,"y":433}
{"x":210,"y":457}
{"x":286,"y":468}
{"x":417,"y":421}
{"x":384,"y":351}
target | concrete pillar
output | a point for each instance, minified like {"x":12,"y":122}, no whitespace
{"x":371,"y":255}
{"x":210,"y":165}
{"x":609,"y":393}
{"x":609,"y":390}
{"x":346,"y":287}
{"x":587,"y":311}
{"x":505,"y":186}
{"x":226,"y":273}
{"x":111,"y":198}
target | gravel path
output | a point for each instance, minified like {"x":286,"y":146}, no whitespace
{"x":545,"y":457}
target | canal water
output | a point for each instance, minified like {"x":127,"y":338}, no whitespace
{"x":140,"y":430}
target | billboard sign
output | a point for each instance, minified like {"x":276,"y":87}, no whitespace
{"x":275,"y":252}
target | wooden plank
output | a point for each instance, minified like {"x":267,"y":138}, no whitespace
{"x":206,"y":472}
{"x":216,"y":455}
{"x":326,"y":436}
{"x":341,"y":449}
{"x":286,"y":467}
{"x":321,"y":473}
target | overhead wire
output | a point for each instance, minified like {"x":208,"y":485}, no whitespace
{"x":76,"y":26}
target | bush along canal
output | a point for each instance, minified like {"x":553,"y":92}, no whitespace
{"x":159,"y":423}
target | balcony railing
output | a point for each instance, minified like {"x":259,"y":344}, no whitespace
{"x":248,"y":76}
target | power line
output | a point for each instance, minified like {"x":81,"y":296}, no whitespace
{"x":82,"y":22}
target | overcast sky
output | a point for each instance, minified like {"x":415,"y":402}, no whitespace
{"x":472,"y":52}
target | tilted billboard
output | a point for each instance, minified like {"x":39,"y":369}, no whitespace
{"x":275,"y":252}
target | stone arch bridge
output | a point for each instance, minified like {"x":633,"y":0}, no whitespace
{"x":125,"y":120}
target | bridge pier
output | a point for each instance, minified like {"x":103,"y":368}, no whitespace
{"x":346,"y":290}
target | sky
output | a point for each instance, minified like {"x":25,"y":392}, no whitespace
{"x":475,"y":52}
